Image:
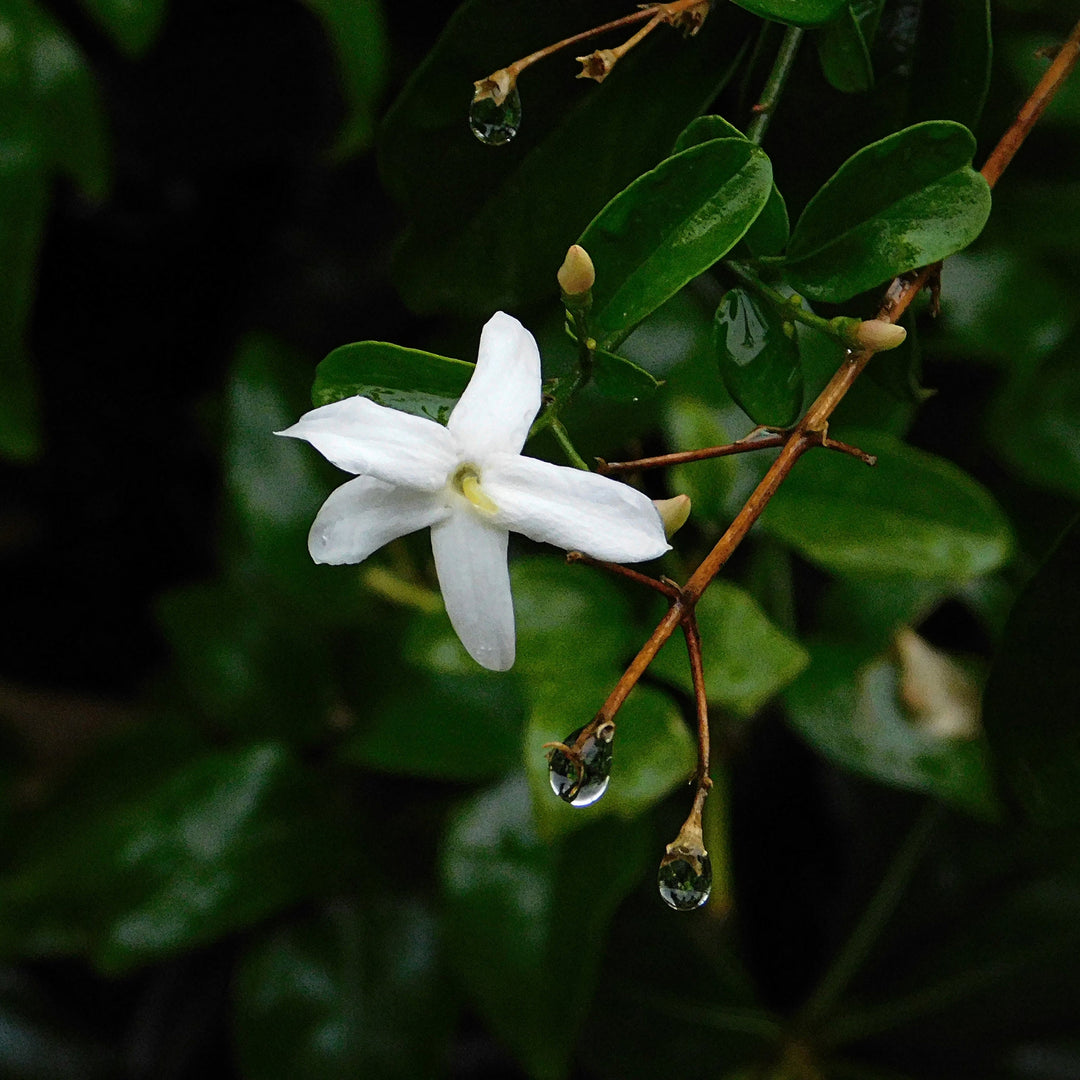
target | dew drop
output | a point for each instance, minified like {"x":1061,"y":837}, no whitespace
{"x":496,"y":125}
{"x":685,"y":880}
{"x":581,"y":782}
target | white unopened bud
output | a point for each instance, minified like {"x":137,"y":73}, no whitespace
{"x":879,"y":335}
{"x":576,"y":275}
{"x":673,"y":513}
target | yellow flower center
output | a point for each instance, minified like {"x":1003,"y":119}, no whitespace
{"x":467,"y":481}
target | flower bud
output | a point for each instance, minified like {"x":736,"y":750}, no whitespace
{"x":673,"y":513}
{"x":879,"y":335}
{"x":576,"y":275}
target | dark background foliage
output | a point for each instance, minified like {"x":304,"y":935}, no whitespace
{"x":259,"y":817}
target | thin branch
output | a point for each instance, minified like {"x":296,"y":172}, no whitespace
{"x":781,"y":69}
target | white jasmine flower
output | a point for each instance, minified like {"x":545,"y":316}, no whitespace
{"x":470,"y":485}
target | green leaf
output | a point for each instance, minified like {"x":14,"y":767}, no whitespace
{"x":669,"y":226}
{"x":220,"y":843}
{"x":1032,"y":697}
{"x":449,"y":726}
{"x":795,"y":12}
{"x":350,"y":991}
{"x":844,"y":54}
{"x":849,"y":709}
{"x":950,"y":71}
{"x":411,"y":380}
{"x":476,"y":242}
{"x":276,"y":485}
{"x":903,"y":202}
{"x":769,"y":233}
{"x":746,"y":659}
{"x":132,"y":24}
{"x":527,"y":918}
{"x":358,"y":33}
{"x":912,"y":513}
{"x":621,"y":379}
{"x":758,"y":356}
{"x":689,"y":425}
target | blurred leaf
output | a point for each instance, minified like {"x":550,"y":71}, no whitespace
{"x":277,"y":485}
{"x":999,"y":302}
{"x":357,"y":30}
{"x":692,"y":426}
{"x":220,"y":843}
{"x":768,"y":235}
{"x":132,"y":24}
{"x":1034,"y":423}
{"x":411,"y":380}
{"x":476,"y":242}
{"x":870,"y":608}
{"x":950,"y":72}
{"x":1024,"y":57}
{"x":50,"y":118}
{"x":843,"y":47}
{"x":912,"y":513}
{"x":621,"y":379}
{"x":668,"y":226}
{"x":447,"y":726}
{"x":249,"y":664}
{"x":903,"y":202}
{"x":795,"y":12}
{"x":849,"y":709}
{"x":527,"y":918}
{"x":758,"y":356}
{"x":747,"y":660}
{"x":1032,"y":697}
{"x":351,"y":991}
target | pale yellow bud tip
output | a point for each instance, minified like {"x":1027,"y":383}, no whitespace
{"x":576,"y":275}
{"x":879,"y":335}
{"x":673,"y":513}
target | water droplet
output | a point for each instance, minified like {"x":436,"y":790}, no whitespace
{"x":685,"y":880}
{"x":582,"y":779}
{"x":496,"y":125}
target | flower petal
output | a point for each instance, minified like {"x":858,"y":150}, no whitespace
{"x":573,"y":509}
{"x":503,"y":395}
{"x":361,"y":437}
{"x":470,"y":557}
{"x":363,"y":514}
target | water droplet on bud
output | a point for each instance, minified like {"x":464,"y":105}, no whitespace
{"x":496,"y":125}
{"x":685,"y":880}
{"x":582,"y":778}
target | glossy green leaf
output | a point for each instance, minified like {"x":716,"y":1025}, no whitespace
{"x":450,"y":726}
{"x":621,"y":379}
{"x":1032,"y":697}
{"x":527,"y":918}
{"x":349,"y":991}
{"x":769,"y":233}
{"x":849,"y":709}
{"x":747,"y":660}
{"x":950,"y":70}
{"x":132,"y":24}
{"x":358,"y":33}
{"x":912,"y":513}
{"x":223,"y":841}
{"x":668,"y":226}
{"x":411,"y":380}
{"x":758,"y":356}
{"x":476,"y":242}
{"x":903,"y":202}
{"x":795,"y":12}
{"x":845,"y":55}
